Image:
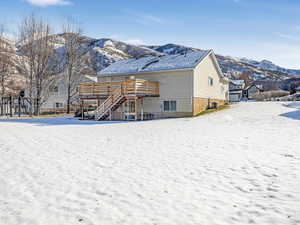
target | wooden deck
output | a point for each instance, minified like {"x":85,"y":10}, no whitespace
{"x":131,"y":87}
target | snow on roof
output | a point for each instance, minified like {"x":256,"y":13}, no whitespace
{"x":91,"y":78}
{"x":238,"y":82}
{"x":235,"y":92}
{"x":156,"y":63}
{"x":258,"y":86}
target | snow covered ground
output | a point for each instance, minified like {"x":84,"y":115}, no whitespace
{"x":236,"y":166}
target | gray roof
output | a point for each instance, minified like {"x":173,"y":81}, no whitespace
{"x":156,"y":63}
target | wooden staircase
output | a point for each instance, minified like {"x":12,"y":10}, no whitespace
{"x":115,"y":94}
{"x":110,"y":104}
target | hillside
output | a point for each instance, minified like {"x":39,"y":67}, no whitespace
{"x":100,"y":53}
{"x":10,"y":63}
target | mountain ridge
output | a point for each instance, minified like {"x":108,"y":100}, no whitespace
{"x":102,"y":52}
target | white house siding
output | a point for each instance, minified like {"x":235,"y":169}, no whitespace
{"x":201,"y":87}
{"x":204,"y":95}
{"x":174,"y":86}
{"x":56,"y":97}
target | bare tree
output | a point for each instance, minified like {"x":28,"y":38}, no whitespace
{"x":246,"y":76}
{"x":5,"y":64}
{"x":74,"y":59}
{"x":39,"y":63}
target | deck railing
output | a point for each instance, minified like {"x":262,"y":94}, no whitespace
{"x":131,"y":87}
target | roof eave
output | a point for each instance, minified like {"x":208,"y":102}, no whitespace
{"x":144,"y":72}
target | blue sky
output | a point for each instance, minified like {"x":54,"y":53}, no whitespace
{"x":258,"y":29}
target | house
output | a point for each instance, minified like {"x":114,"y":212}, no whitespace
{"x":236,"y":88}
{"x":57,"y":100}
{"x":152,"y":87}
{"x":239,"y":91}
{"x":252,"y":90}
{"x":56,"y":97}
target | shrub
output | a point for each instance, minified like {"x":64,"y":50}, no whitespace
{"x":270,"y":95}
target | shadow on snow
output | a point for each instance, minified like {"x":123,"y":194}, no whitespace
{"x":294,"y":114}
{"x":56,"y":121}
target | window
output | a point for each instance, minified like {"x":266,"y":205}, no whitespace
{"x":54,"y":89}
{"x":166,"y":106}
{"x":210,"y":81}
{"x":170,"y":106}
{"x":58,"y":105}
{"x":130,"y":106}
{"x":173,"y":106}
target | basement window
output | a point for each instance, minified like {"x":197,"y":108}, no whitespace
{"x":170,"y":106}
{"x":210,"y":81}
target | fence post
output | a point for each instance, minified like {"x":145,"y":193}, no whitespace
{"x":10,"y":106}
{"x":19,"y":105}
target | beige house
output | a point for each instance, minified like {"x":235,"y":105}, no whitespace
{"x":158,"y":87}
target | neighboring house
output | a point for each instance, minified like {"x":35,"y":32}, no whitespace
{"x":236,"y":88}
{"x":57,"y":95}
{"x":158,"y":87}
{"x":252,"y":90}
{"x":238,"y":91}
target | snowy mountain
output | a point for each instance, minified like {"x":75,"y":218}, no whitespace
{"x":171,"y":49}
{"x":268,"y":65}
{"x":100,"y":53}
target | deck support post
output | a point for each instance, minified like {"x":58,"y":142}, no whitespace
{"x":82,"y":109}
{"x":135,"y":108}
{"x":142,"y":109}
{"x":127,"y":108}
{"x":2,"y":109}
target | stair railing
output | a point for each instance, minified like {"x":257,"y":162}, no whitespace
{"x":109,"y":103}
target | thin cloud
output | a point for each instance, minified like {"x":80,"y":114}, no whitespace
{"x":44,"y":3}
{"x":135,"y":42}
{"x":146,"y":19}
{"x":289,"y":36}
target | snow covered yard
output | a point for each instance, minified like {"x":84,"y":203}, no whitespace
{"x":237,"y":166}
